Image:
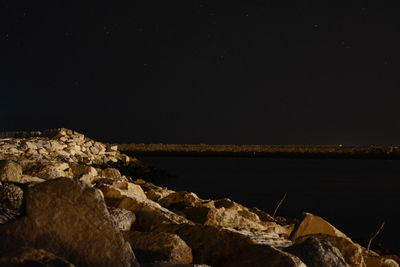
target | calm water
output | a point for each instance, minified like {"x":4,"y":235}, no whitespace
{"x":354,"y":195}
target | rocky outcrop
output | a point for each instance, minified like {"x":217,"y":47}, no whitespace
{"x":66,"y":199}
{"x":69,"y":219}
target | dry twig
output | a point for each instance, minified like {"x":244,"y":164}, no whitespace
{"x":279,"y":204}
{"x":375,"y":234}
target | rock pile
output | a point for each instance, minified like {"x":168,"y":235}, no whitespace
{"x":61,"y":204}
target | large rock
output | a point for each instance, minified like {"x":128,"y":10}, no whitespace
{"x":52,"y":170}
{"x":122,"y":219}
{"x":351,"y":252}
{"x":79,"y":169}
{"x":10,"y":171}
{"x":149,"y":214}
{"x":218,"y":246}
{"x":32,"y":257}
{"x":70,"y":219}
{"x":316,"y":252}
{"x":311,"y":224}
{"x":11,"y":196}
{"x":150,"y":247}
{"x":373,"y":259}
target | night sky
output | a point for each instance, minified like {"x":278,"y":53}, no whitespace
{"x":192,"y":71}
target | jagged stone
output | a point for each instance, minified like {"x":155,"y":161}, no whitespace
{"x":218,"y":246}
{"x":11,"y":196}
{"x":111,"y":173}
{"x":315,"y":252}
{"x":150,"y":247}
{"x":352,"y":252}
{"x":156,"y":195}
{"x":122,"y":219}
{"x":52,"y":170}
{"x":32,"y":257}
{"x":311,"y":224}
{"x":180,"y":199}
{"x":10,"y":171}
{"x":149,"y":214}
{"x":70,"y":219}
{"x":78,"y":170}
{"x":373,"y":259}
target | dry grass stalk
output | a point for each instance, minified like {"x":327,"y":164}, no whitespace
{"x":374,"y":235}
{"x":279,"y":204}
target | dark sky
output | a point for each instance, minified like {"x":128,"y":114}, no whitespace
{"x":192,"y":71}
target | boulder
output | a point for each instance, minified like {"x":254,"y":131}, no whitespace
{"x":79,"y":169}
{"x":351,"y":252}
{"x":11,"y":196}
{"x":219,"y":246}
{"x":150,"y":247}
{"x":379,"y":261}
{"x":315,"y":252}
{"x":111,"y":173}
{"x":149,"y":214}
{"x":311,"y":224}
{"x":373,"y":259}
{"x":52,"y":170}
{"x":122,"y":219}
{"x":32,"y":257}
{"x":10,"y":171}
{"x":156,"y":195}
{"x":70,"y":219}
{"x":180,"y":199}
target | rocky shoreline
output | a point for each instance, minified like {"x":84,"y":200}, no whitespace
{"x":67,"y":200}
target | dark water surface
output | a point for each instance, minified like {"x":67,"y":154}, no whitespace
{"x":354,"y":195}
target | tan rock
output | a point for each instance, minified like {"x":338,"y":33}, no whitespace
{"x":52,"y":170}
{"x":32,"y":257}
{"x":25,"y":179}
{"x":78,"y":170}
{"x":149,"y":214}
{"x":10,"y":171}
{"x":156,"y":195}
{"x":69,"y":219}
{"x":218,"y":246}
{"x":379,"y":261}
{"x":111,"y":173}
{"x":183,"y":199}
{"x":159,"y":247}
{"x":136,"y":190}
{"x":312,"y":224}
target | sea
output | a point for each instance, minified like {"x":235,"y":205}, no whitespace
{"x":355,"y":195}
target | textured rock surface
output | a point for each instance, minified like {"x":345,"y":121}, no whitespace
{"x":316,"y":252}
{"x":311,"y":224}
{"x":149,"y":214}
{"x":10,"y":171}
{"x":32,"y":257}
{"x":122,"y":219}
{"x":217,"y":246}
{"x":11,"y":196}
{"x":69,"y":219}
{"x":351,"y":252}
{"x":150,"y":247}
